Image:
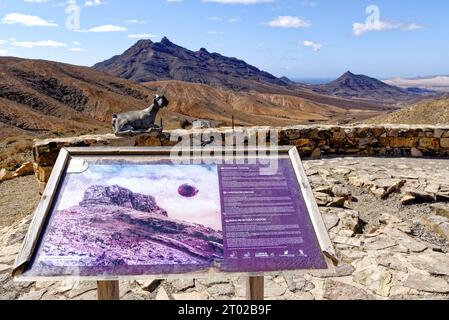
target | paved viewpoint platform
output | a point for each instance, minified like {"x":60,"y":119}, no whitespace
{"x":388,"y":219}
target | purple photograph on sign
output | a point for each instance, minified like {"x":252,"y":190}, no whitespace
{"x":125,"y":219}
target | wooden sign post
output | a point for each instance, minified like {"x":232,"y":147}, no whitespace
{"x":108,"y":290}
{"x":255,"y":288}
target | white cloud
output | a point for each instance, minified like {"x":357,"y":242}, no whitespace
{"x":77,"y":50}
{"x":361,"y":28}
{"x":232,"y":20}
{"x":143,"y":36}
{"x":107,"y":28}
{"x":289,"y":22}
{"x":412,"y":26}
{"x":136,"y":21}
{"x":27,"y":20}
{"x":174,"y":0}
{"x":239,"y":1}
{"x":76,"y":43}
{"x":37,"y":1}
{"x":43,"y":44}
{"x":3,"y":42}
{"x":3,"y":52}
{"x":315,"y":46}
{"x":93,"y":3}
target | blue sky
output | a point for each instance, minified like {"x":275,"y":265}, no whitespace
{"x":296,"y":38}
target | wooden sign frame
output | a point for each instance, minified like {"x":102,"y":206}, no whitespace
{"x":108,"y":286}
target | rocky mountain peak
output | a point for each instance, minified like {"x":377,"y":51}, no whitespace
{"x":121,"y":197}
{"x":351,"y":85}
{"x":287,"y":80}
{"x":169,"y":61}
{"x":142,"y":44}
{"x":166,"y":41}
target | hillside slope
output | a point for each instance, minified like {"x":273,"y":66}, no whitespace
{"x":37,"y":95}
{"x":432,"y":112}
{"x":249,"y":108}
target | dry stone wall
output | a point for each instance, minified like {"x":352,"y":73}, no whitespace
{"x":311,"y":141}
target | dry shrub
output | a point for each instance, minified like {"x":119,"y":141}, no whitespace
{"x":13,"y":162}
{"x":22,"y":146}
{"x":14,"y":151}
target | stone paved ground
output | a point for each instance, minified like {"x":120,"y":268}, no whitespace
{"x":388,"y":219}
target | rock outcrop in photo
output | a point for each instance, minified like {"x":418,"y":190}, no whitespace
{"x":122,"y":197}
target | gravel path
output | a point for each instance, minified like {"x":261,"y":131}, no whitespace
{"x":18,"y":198}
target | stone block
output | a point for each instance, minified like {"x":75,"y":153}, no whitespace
{"x":401,"y":142}
{"x":338,"y":134}
{"x":438,"y":133}
{"x":42,"y":173}
{"x":291,"y":134}
{"x":384,"y":142}
{"x":316,"y":154}
{"x":426,"y":283}
{"x":47,"y":157}
{"x":429,"y":143}
{"x":301,"y":143}
{"x":25,"y":169}
{"x":444,"y":142}
{"x":6,"y":175}
{"x":392,"y":132}
{"x":416,"y":153}
{"x":334,"y":290}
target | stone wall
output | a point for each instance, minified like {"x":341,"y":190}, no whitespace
{"x":311,"y":141}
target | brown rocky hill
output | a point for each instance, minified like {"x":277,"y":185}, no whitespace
{"x":352,"y":86}
{"x":42,"y":99}
{"x":39,"y":96}
{"x":153,"y":61}
{"x":430,"y":112}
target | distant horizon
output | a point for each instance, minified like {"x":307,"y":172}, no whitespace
{"x":318,"y":39}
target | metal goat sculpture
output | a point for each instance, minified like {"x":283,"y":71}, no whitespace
{"x":137,"y":122}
